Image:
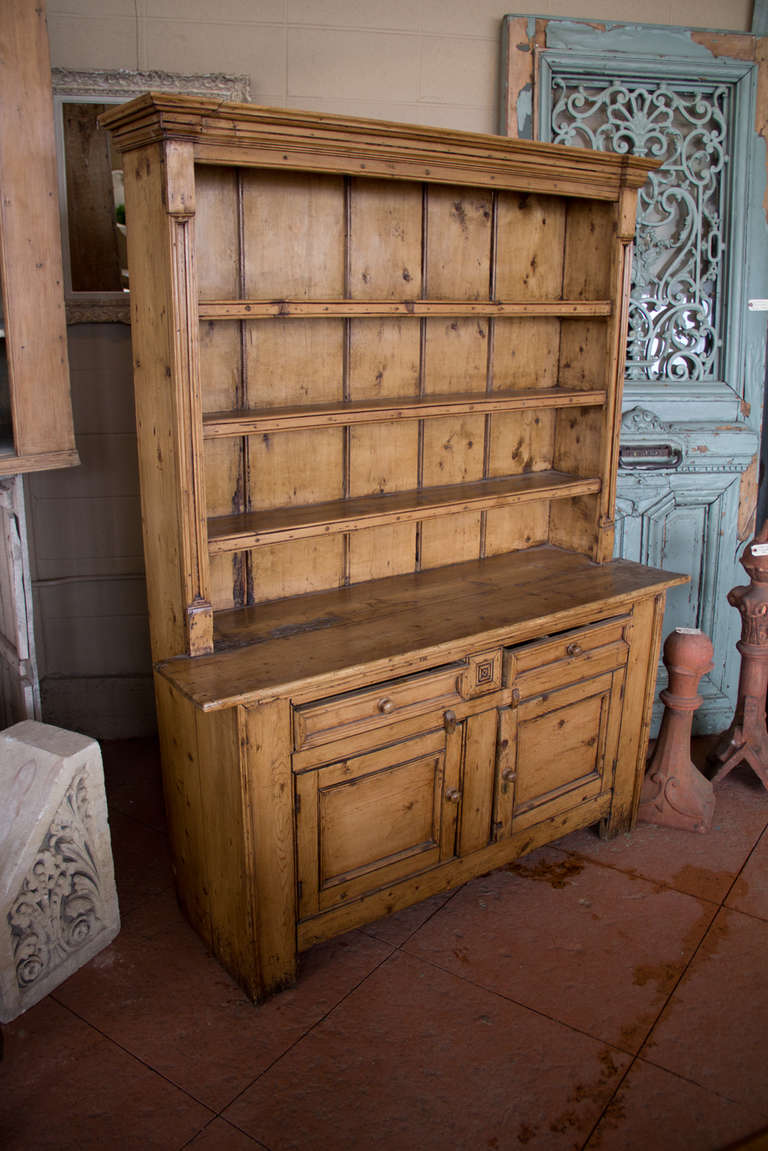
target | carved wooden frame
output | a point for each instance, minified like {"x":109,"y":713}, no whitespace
{"x":117,"y":86}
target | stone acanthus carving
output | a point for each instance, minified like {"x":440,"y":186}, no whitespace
{"x":58,"y":909}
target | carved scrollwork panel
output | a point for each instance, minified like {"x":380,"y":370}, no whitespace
{"x":676,"y":311}
{"x":59,"y":908}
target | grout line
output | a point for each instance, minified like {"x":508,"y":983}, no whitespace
{"x":313,"y":1026}
{"x":132,"y":1055}
{"x":256,"y":1142}
{"x":720,"y":907}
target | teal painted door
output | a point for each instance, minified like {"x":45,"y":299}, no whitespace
{"x":695,"y":351}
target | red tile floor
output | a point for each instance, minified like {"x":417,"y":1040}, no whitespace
{"x":607,"y":995}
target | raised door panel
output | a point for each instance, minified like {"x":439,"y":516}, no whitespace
{"x":374,"y":819}
{"x":556,"y":751}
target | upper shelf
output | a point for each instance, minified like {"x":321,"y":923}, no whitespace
{"x":373,"y":309}
{"x":383,"y":410}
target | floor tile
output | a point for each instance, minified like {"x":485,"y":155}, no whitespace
{"x":395,"y":929}
{"x":67,"y":1088}
{"x":133,"y":780}
{"x":750,"y":891}
{"x":701,"y":865}
{"x":416,"y":1058}
{"x":142,"y":859}
{"x":654,"y":1109}
{"x":158,"y":993}
{"x":714,"y":1030}
{"x":584,"y":944}
{"x":222,"y":1136}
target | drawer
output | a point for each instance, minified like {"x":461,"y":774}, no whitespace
{"x":336,"y":716}
{"x":568,"y":656}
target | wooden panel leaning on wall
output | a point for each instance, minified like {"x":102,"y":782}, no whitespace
{"x":378,"y":391}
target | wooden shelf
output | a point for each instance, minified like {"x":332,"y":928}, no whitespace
{"x":384,"y":410}
{"x":293,"y":641}
{"x":276,"y":525}
{"x":362,"y":309}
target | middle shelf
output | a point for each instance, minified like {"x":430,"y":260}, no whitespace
{"x":385,"y":409}
{"x":275,"y":525}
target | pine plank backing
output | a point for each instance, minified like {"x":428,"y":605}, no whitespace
{"x":273,"y":525}
{"x":284,"y":645}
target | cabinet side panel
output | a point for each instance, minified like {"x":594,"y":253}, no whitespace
{"x":228,"y":878}
{"x":265,"y":733}
{"x":181,"y":787}
{"x":647,"y":617}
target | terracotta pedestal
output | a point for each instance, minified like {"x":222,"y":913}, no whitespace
{"x":675,"y":793}
{"x":746,"y":740}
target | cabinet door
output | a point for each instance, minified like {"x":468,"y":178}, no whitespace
{"x":376,"y":818}
{"x":556,"y":750}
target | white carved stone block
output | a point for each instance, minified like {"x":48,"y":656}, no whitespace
{"x":58,"y":902}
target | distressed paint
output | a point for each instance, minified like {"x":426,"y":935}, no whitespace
{"x":696,"y":516}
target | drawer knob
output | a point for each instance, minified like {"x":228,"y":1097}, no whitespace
{"x":449,"y":721}
{"x":385,"y":706}
{"x":509,"y":774}
{"x":453,"y":794}
{"x":574,"y":649}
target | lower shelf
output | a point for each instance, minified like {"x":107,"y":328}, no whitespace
{"x":275,"y":525}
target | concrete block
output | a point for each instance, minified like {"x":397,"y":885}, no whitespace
{"x":58,"y":902}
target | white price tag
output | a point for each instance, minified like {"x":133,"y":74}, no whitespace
{"x":759,"y":549}
{"x":688,"y":630}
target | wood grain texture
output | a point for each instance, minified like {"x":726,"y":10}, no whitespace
{"x":400,"y":350}
{"x":268,"y":797}
{"x":30,"y":248}
{"x":417,"y":620}
{"x":252,"y":529}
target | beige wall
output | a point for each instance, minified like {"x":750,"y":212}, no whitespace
{"x":423,"y":61}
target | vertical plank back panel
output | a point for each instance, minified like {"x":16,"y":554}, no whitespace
{"x":384,"y":240}
{"x":384,"y":262}
{"x":525,"y":353}
{"x":530,"y":233}
{"x":293,"y":227}
{"x":590,"y":236}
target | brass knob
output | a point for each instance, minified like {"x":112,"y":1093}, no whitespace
{"x":574,"y":649}
{"x":453,"y":795}
{"x":508,"y":774}
{"x":385,"y":706}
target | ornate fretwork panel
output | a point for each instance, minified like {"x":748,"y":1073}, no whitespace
{"x":677,"y":309}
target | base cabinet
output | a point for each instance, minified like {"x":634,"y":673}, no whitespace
{"x":325,"y":812}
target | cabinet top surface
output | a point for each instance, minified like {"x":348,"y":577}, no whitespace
{"x":373,"y":630}
{"x":248,"y":134}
